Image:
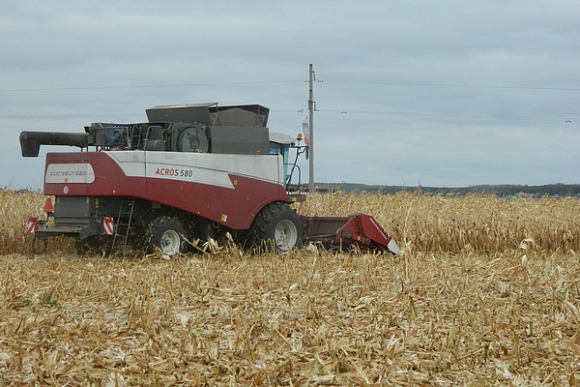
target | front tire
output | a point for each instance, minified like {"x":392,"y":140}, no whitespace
{"x":279,"y":226}
{"x":167,"y":234}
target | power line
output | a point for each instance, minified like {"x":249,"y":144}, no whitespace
{"x":441,"y":115}
{"x":344,"y":112}
{"x":455,"y":85}
{"x":449,"y":85}
{"x":453,"y":115}
{"x":140,"y":86}
{"x":63,"y":116}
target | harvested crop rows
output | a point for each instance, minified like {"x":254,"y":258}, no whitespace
{"x":486,"y":293}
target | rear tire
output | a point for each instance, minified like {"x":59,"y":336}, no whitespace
{"x":278,"y":226}
{"x":167,"y":234}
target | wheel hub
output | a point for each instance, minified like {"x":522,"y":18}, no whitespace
{"x":170,"y":241}
{"x":285,"y":235}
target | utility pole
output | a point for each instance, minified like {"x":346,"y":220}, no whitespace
{"x":311,"y":132}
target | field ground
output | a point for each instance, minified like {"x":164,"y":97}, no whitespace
{"x":486,"y":293}
{"x":303,"y":319}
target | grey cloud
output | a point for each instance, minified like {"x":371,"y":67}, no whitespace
{"x":444,"y":93}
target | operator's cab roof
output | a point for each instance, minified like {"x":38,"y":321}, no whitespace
{"x":283,"y":139}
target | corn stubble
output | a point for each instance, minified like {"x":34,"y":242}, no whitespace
{"x":499,"y":306}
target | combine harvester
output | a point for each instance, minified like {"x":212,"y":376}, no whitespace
{"x":193,"y":172}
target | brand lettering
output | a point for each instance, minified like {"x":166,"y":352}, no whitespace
{"x":167,"y":172}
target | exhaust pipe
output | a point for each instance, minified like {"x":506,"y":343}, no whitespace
{"x":30,"y":142}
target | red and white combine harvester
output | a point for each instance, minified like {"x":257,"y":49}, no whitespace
{"x":193,"y":172}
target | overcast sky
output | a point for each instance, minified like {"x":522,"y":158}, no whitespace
{"x":432,"y":93}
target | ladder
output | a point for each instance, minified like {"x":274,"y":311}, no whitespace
{"x":123,"y":223}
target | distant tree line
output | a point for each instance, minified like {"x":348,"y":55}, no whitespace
{"x":507,"y":190}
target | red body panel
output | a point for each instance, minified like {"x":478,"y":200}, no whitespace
{"x":109,"y":178}
{"x":207,"y":190}
{"x":233,"y":208}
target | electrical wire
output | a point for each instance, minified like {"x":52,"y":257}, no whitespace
{"x":139,"y":86}
{"x":455,"y":85}
{"x":39,"y":89}
{"x":453,"y":115}
{"x":342,"y":111}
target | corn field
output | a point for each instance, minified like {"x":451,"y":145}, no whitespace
{"x":428,"y":224}
{"x":486,"y":292}
{"x":485,"y":224}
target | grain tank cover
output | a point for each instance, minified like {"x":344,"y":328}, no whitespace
{"x":241,"y":115}
{"x":189,"y":113}
{"x":211,"y":114}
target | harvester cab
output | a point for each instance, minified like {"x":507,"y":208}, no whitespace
{"x":192,"y":172}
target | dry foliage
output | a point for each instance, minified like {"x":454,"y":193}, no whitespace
{"x":498,"y":306}
{"x":484,"y":224}
{"x":15,"y":208}
{"x":302,"y":319}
